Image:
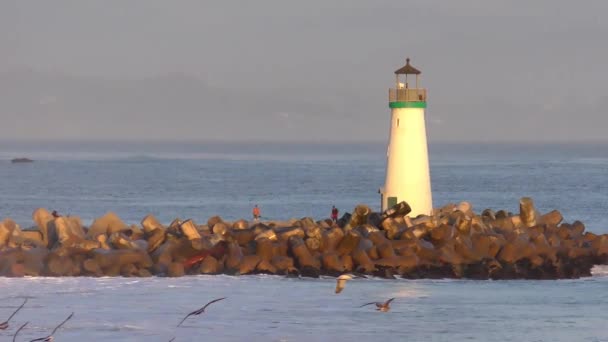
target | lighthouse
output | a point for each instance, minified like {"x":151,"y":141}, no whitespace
{"x":407,"y":159}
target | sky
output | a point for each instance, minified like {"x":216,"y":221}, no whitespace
{"x":306,"y":71}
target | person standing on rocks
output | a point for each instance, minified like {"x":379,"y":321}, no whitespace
{"x":334,"y":213}
{"x":256,"y":213}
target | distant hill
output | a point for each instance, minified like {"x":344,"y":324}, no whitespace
{"x":174,"y":106}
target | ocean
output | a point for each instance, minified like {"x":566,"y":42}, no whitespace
{"x":199,"y":180}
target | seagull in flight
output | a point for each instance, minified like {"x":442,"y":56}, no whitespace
{"x":341,"y":281}
{"x":50,"y":337}
{"x":4,"y":325}
{"x":384,"y":307}
{"x":201,"y":310}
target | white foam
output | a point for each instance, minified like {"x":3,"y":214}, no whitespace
{"x":600,"y":271}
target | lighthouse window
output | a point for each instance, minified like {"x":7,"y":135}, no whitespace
{"x":397,"y":122}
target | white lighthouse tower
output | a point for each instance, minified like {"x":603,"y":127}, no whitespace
{"x":407,"y":166}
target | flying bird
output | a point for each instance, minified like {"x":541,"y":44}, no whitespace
{"x":4,"y":325}
{"x":50,"y":337}
{"x":18,"y":330}
{"x":201,"y":310}
{"x":341,"y":281}
{"x":384,"y":307}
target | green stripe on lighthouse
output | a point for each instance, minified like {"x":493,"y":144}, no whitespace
{"x":408,"y":104}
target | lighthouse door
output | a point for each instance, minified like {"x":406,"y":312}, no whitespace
{"x":391,"y":202}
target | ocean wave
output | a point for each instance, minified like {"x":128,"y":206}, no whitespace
{"x":118,"y":327}
{"x":600,"y":271}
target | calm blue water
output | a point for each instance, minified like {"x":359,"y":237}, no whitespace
{"x":267,"y":308}
{"x":198,"y":181}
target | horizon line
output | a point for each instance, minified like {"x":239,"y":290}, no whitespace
{"x":290,"y":142}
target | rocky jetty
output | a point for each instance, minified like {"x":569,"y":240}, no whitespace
{"x":454,"y":242}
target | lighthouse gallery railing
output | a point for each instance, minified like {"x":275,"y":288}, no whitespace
{"x":406,"y":94}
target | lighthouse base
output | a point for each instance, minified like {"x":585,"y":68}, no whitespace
{"x":407,"y":167}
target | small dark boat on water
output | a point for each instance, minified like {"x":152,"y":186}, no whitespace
{"x":21,"y":160}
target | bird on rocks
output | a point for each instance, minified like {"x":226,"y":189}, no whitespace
{"x":50,"y":337}
{"x":4,"y":325}
{"x":341,"y":281}
{"x":18,"y":330}
{"x":384,"y":307}
{"x":201,"y":310}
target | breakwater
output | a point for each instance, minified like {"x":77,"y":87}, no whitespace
{"x":453,"y":242}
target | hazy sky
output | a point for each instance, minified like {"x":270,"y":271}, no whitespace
{"x":314,"y":70}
